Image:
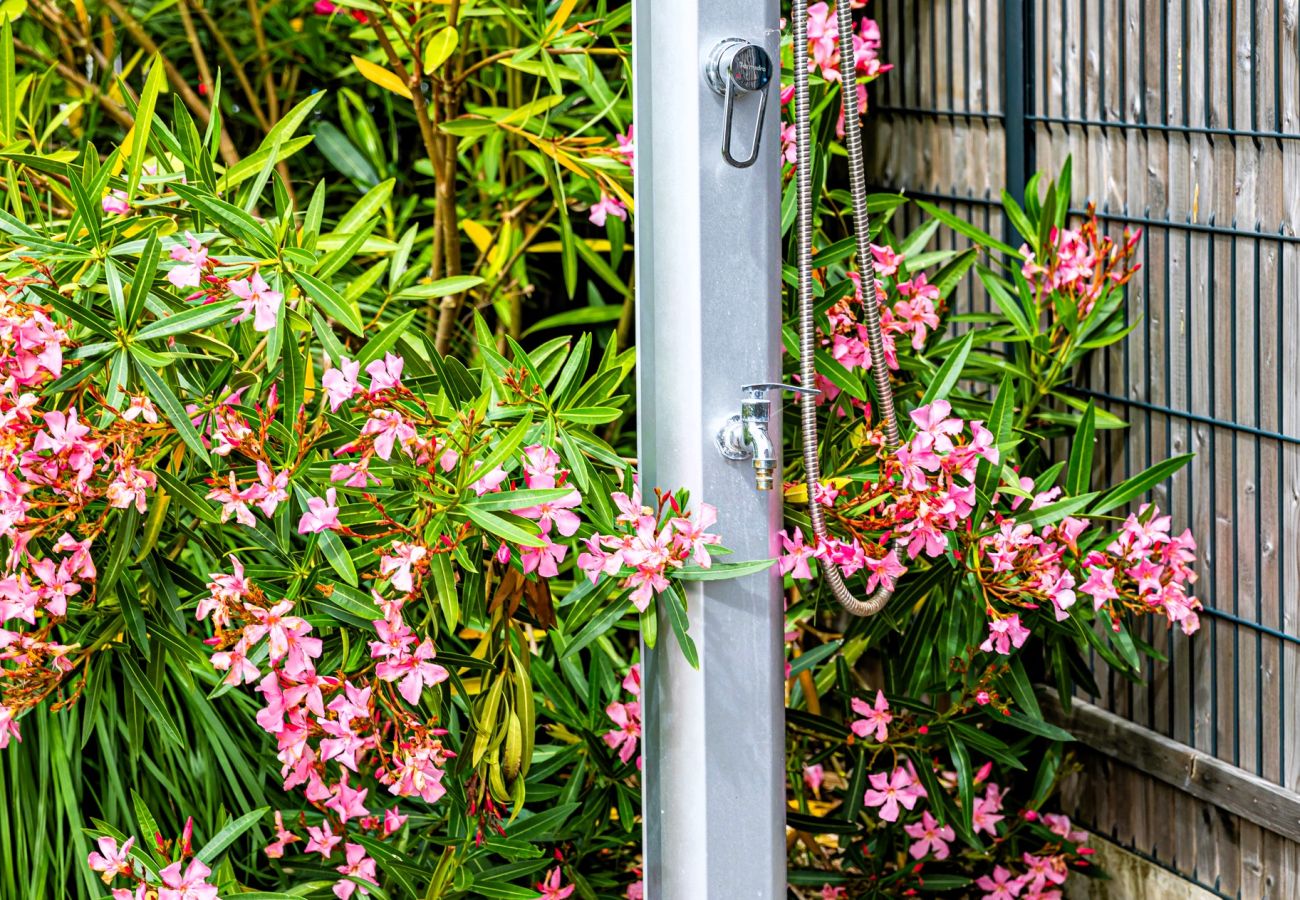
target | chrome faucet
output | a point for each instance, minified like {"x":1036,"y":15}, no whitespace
{"x":745,"y":436}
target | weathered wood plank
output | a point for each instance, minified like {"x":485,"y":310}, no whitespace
{"x":1195,"y":773}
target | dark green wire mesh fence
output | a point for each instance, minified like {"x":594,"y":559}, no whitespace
{"x":1183,"y":119}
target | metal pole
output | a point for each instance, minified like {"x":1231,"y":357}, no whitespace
{"x":1019,"y":151}
{"x":708,"y":320}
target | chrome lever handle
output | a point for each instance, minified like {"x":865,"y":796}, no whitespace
{"x":734,"y":68}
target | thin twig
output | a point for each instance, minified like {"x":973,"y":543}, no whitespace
{"x":174,"y":77}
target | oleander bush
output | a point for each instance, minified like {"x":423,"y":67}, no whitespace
{"x":326,"y":566}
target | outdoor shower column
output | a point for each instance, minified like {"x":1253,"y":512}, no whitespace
{"x":708,"y":320}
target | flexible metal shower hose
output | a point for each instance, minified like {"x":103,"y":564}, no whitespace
{"x":866,"y":268}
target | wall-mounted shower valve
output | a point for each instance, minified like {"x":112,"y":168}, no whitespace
{"x":746,"y":436}
{"x":734,"y":68}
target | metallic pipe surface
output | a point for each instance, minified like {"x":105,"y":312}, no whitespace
{"x":866,"y":266}
{"x":708,"y":263}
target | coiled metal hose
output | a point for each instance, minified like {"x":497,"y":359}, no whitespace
{"x":866,"y":268}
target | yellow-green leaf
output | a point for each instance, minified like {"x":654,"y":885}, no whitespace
{"x":138,"y":138}
{"x":439,"y":49}
{"x":557,"y":21}
{"x":382,"y":77}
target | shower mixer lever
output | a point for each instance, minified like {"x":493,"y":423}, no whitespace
{"x":745,"y":435}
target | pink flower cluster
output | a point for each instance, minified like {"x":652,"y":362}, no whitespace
{"x":648,"y":548}
{"x":1080,"y":263}
{"x":824,"y":45}
{"x":54,"y":465}
{"x":1143,"y":569}
{"x":913,"y":315}
{"x":928,"y":488}
{"x":626,"y":734}
{"x":177,"y":881}
{"x":327,"y":727}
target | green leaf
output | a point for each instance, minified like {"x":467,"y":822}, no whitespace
{"x":330,"y":302}
{"x":1055,"y":512}
{"x":516,"y":499}
{"x":965,"y":777}
{"x":187,"y":496}
{"x":673,"y":602}
{"x":1078,"y":475}
{"x":950,"y":372}
{"x":227,"y":835}
{"x":961,"y":226}
{"x":142,"y":280}
{"x":139,"y":135}
{"x":193,"y":319}
{"x":1035,"y":726}
{"x":172,"y":408}
{"x":150,"y":698}
{"x":1139,"y":484}
{"x":721,"y":571}
{"x":515,"y":529}
{"x":384,"y":341}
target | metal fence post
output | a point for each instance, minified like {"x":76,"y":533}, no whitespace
{"x":708,"y":320}
{"x":1016,"y":94}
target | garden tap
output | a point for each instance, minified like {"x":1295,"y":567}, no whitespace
{"x":745,"y":436}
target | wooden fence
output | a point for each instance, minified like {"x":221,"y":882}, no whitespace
{"x":1183,"y":118}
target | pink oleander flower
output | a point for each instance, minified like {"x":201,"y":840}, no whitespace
{"x":690,"y":537}
{"x":141,"y":408}
{"x":110,"y":861}
{"x":393,"y":821}
{"x":321,"y":515}
{"x":115,"y":203}
{"x":544,"y":560}
{"x":604,"y":207}
{"x":8,"y":727}
{"x":886,"y":260}
{"x":636,"y":890}
{"x":874,"y":719}
{"x":813,"y":776}
{"x":888,"y":791}
{"x":1001,"y":886}
{"x":558,"y":511}
{"x":627,"y":148}
{"x":397,"y":565}
{"x":358,"y":865}
{"x":195,"y":259}
{"x":823,"y":41}
{"x":1100,"y":586}
{"x":258,"y":300}
{"x":489,"y":482}
{"x":985,"y":815}
{"x":833,"y":892}
{"x":347,"y":802}
{"x":192,"y":885}
{"x":550,"y":887}
{"x":341,"y":383}
{"x":884,"y":571}
{"x":594,"y":561}
{"x":283,"y":837}
{"x":930,"y":837}
{"x":1004,"y":634}
{"x":794,"y":561}
{"x":624,"y":738}
{"x":321,"y":840}
{"x":415,"y":671}
{"x":385,"y":374}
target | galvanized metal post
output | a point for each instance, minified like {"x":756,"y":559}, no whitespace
{"x":1015,"y":95}
{"x":708,"y":321}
